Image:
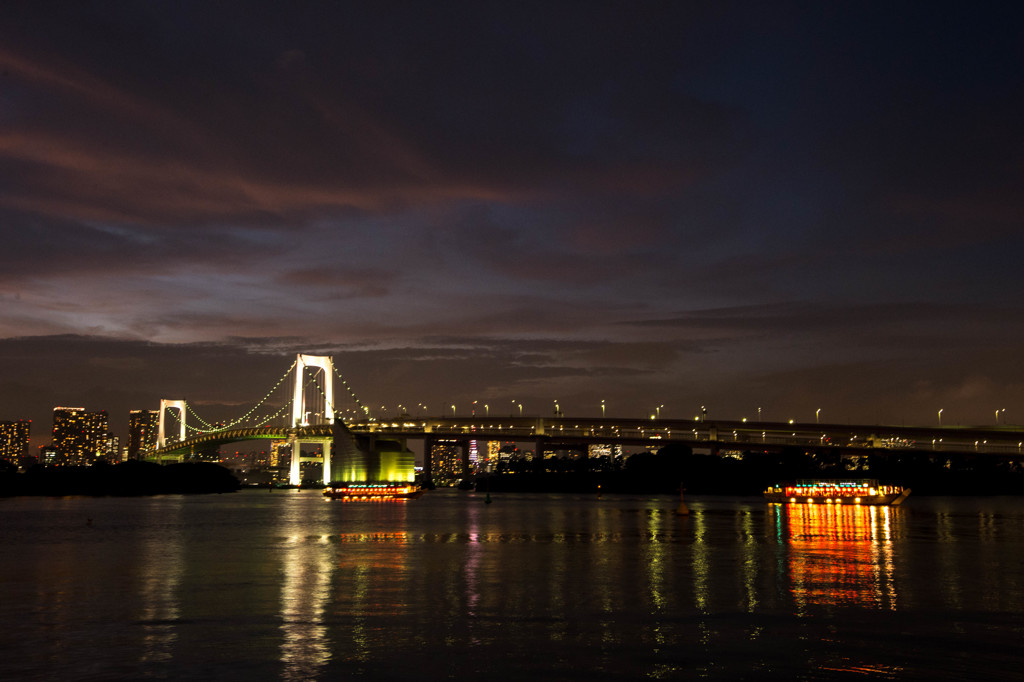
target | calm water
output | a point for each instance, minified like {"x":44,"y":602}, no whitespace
{"x":288,"y":585}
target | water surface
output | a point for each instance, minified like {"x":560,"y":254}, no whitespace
{"x":288,"y":585}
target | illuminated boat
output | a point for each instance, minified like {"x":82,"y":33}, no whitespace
{"x":837,"y":491}
{"x":372,"y":492}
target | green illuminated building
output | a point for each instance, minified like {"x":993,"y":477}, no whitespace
{"x":365,"y":459}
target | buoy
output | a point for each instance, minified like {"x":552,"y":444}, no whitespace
{"x":682,"y":509}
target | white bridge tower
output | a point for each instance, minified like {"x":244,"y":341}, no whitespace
{"x":161,"y":432}
{"x":300,"y":417}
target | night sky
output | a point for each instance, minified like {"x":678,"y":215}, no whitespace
{"x":789,"y":206}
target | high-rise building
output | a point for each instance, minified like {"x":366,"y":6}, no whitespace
{"x":14,"y":438}
{"x":489,"y":461}
{"x":142,"y":432}
{"x":446,"y":461}
{"x":48,"y":455}
{"x":80,"y":437}
{"x":280,"y":454}
{"x":69,"y":433}
{"x":110,"y":448}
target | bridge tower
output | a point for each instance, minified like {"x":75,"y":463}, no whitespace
{"x":300,"y":417}
{"x":161,"y":432}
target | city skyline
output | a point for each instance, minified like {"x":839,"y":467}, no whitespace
{"x":767,"y":207}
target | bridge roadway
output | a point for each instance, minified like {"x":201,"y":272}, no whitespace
{"x":567,"y":432}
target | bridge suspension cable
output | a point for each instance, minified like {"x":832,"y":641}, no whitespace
{"x":258,"y":420}
{"x":211,"y":427}
{"x":331,"y":405}
{"x":351,"y":393}
{"x":328,"y":405}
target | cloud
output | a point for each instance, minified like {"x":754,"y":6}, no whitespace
{"x":340,"y":282}
{"x":649,"y":203}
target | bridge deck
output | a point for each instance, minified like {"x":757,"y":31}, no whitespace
{"x":722,"y":434}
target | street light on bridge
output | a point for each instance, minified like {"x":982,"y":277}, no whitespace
{"x":602,"y":409}
{"x":817,"y":412}
{"x":940,"y":417}
{"x":997,"y":414}
{"x":453,"y":410}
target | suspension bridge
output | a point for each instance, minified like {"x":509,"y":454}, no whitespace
{"x":357,"y":447}
{"x":309,"y":416}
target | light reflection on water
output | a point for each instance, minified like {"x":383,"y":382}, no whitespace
{"x":305,"y":591}
{"x":840,"y":555}
{"x":288,"y":585}
{"x":701,"y":561}
{"x":161,"y":574}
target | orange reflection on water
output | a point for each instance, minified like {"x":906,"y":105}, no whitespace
{"x":370,"y":581}
{"x":840,"y":555}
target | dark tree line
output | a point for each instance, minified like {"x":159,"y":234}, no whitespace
{"x":676,"y":465}
{"x":124,"y":479}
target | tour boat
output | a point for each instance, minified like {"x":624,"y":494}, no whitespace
{"x":837,"y":491}
{"x":372,"y":492}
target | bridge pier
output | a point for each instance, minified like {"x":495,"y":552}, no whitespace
{"x":295,"y":474}
{"x":326,"y":445}
{"x":464,"y":456}
{"x":428,"y":456}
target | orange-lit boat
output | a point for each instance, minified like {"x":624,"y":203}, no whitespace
{"x":837,"y":491}
{"x":372,"y":492}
